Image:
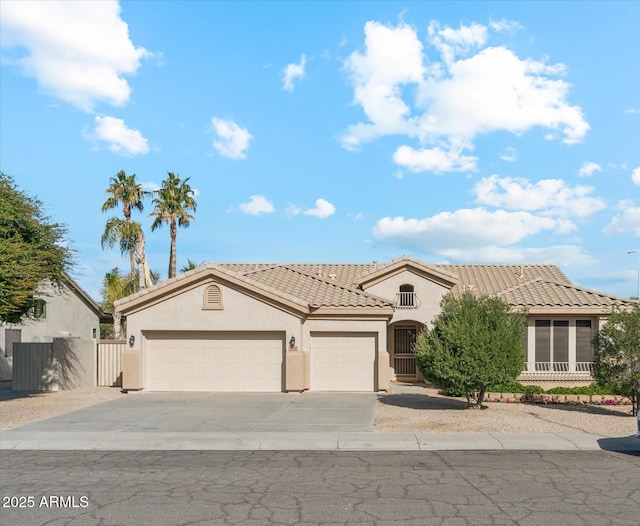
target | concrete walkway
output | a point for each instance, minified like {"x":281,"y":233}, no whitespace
{"x":271,"y":421}
{"x":349,"y":441}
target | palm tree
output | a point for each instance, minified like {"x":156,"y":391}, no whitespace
{"x":114,"y":287}
{"x":123,"y":190}
{"x":172,"y":204}
{"x":122,"y":232}
{"x":191,"y":265}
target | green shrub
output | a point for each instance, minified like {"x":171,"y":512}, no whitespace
{"x":592,"y":389}
{"x":508,"y":387}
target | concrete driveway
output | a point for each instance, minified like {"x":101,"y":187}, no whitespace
{"x":220,"y":412}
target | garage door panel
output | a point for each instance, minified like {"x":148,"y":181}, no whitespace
{"x":343,"y":361}
{"x":211,"y":361}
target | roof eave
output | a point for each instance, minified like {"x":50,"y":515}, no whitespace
{"x":137,"y":302}
{"x":345,"y":311}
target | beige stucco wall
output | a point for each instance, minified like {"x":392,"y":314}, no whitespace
{"x":184,"y":312}
{"x":240,"y":312}
{"x":428,"y":293}
{"x":65,"y":363}
{"x":67,"y":316}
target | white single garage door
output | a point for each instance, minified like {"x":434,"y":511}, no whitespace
{"x":213,"y":361}
{"x":342,"y":361}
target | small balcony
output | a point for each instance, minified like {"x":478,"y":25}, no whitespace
{"x":407,"y":300}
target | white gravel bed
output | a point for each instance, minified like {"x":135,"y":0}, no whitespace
{"x":16,"y":412}
{"x":433,"y":413}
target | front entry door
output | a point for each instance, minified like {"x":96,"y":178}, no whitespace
{"x":404,"y":361}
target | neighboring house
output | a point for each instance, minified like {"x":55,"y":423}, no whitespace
{"x":69,"y":311}
{"x":338,"y":327}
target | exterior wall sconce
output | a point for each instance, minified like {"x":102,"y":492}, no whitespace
{"x":132,"y":340}
{"x":292,"y":342}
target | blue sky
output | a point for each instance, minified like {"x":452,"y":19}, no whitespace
{"x":462,"y":132}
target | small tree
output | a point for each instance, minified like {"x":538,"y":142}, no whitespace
{"x":33,"y":249}
{"x":616,"y":360}
{"x":475,"y":342}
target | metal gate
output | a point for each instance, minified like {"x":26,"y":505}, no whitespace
{"x":110,"y":362}
{"x":404,"y":361}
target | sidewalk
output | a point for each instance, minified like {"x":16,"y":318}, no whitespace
{"x":352,"y":441}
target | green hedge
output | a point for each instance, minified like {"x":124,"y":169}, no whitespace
{"x":517,"y":387}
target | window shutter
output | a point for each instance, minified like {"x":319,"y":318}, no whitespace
{"x":543,"y":340}
{"x":584,"y":352}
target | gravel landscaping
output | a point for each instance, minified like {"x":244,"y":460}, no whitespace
{"x":19,"y":409}
{"x":420,"y":409}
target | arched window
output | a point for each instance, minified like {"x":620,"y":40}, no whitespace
{"x":212,"y":298}
{"x":407,"y":297}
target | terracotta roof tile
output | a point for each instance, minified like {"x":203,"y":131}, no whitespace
{"x":334,"y":284}
{"x":316,"y":290}
{"x":541,"y":293}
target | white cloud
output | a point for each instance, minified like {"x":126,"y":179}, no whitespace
{"x":393,"y":57}
{"x":231,"y":141}
{"x":511,"y":26}
{"x":79,"y":52}
{"x":561,"y":255}
{"x":292,"y":72}
{"x":550,"y":196}
{"x":509,"y":154}
{"x":635,"y":176}
{"x":150,"y":186}
{"x":628,"y":222}
{"x":120,"y":139}
{"x":293,"y":210}
{"x":444,"y":106}
{"x":257,"y":205}
{"x":589,"y":168}
{"x":451,"y":42}
{"x":470,"y":228}
{"x":478,"y":236}
{"x":322,"y":210}
{"x":434,"y":160}
{"x":632,"y":111}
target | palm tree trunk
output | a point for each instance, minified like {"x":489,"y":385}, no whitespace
{"x":132,"y":261}
{"x":172,"y":254}
{"x":116,"y":325}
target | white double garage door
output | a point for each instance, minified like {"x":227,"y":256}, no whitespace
{"x":254,"y":361}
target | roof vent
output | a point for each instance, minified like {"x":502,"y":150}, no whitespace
{"x":521,"y":275}
{"x":319,"y":271}
{"x":375,"y":265}
{"x":332,"y":277}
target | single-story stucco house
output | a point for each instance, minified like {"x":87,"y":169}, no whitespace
{"x":338,"y":327}
{"x":65,"y":312}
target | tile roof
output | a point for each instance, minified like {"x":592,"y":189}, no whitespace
{"x":317,"y":285}
{"x":319,"y":289}
{"x":491,"y":279}
{"x":520,"y":285}
{"x":540,"y":293}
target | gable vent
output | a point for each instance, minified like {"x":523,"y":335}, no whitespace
{"x":212,"y":297}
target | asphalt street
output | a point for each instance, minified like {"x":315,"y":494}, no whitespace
{"x":452,"y":488}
